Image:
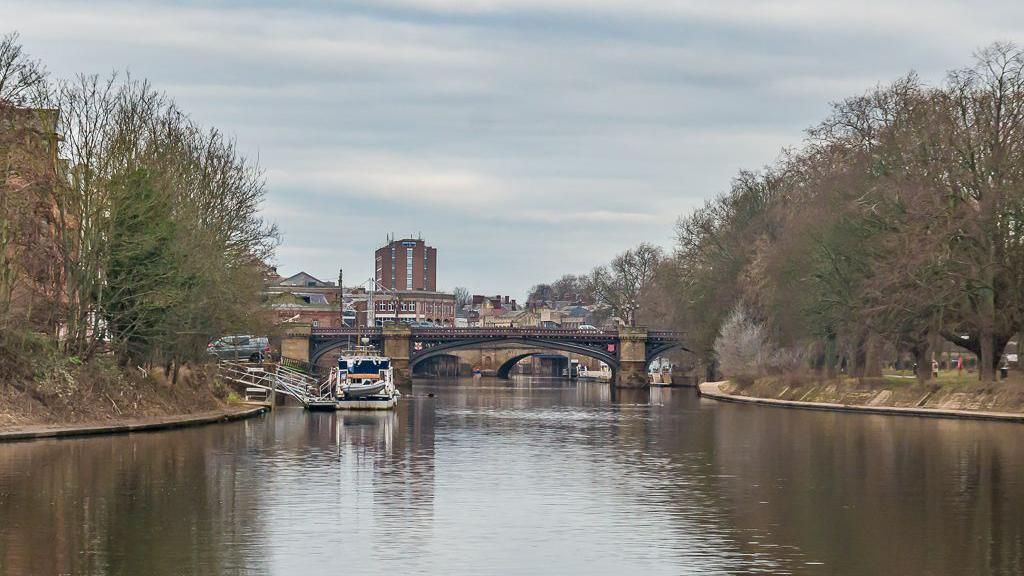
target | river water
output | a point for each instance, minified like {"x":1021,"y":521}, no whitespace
{"x":524,"y":477}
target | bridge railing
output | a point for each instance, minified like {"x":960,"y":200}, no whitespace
{"x":491,"y":332}
{"x":664,"y":334}
{"x":467,"y":332}
{"x":368,"y":332}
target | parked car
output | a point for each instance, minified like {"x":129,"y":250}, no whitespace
{"x":251,"y":348}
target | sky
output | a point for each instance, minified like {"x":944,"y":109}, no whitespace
{"x":524,"y":139}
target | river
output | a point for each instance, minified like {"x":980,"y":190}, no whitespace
{"x":525,"y":477}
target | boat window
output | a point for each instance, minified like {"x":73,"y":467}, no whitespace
{"x":369,"y":366}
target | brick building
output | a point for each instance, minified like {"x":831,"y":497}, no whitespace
{"x":32,"y":279}
{"x":415,"y":306}
{"x":305,"y":299}
{"x":407,"y":264}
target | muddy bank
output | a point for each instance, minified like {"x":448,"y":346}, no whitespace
{"x":99,"y":392}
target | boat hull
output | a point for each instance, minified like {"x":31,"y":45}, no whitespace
{"x":359,"y":404}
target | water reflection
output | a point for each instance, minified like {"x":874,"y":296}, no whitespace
{"x":523,"y":477}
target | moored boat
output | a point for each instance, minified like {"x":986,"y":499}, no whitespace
{"x":362,"y":380}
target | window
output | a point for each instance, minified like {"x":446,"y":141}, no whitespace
{"x":408,"y":269}
{"x":316,"y":323}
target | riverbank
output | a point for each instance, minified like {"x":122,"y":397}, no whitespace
{"x":995,"y":402}
{"x":226,"y":414}
{"x":40,"y":386}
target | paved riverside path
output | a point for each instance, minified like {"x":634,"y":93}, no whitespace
{"x":713,"y":390}
{"x":143,"y":424}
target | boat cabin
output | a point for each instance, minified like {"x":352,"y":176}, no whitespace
{"x":363,"y":368}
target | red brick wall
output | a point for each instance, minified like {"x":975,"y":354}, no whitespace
{"x":424,"y":266}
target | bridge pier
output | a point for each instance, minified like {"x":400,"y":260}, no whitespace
{"x":296,"y":343}
{"x":397,"y":345}
{"x":632,"y":372}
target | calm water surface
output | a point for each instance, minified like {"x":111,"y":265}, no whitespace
{"x":526,"y":477}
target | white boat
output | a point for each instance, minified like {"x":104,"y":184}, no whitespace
{"x":363,"y":379}
{"x":365,"y":388}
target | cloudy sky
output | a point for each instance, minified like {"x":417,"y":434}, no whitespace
{"x":522,"y":138}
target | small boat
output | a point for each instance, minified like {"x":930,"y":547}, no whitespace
{"x":367,"y":387}
{"x":363,"y":380}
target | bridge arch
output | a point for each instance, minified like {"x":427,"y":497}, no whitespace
{"x":443,"y":365}
{"x":653,"y":352}
{"x":504,"y":370}
{"x":538,"y":347}
{"x":321,"y":349}
{"x":506,"y":367}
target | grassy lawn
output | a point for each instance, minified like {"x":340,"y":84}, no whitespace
{"x":950,"y":379}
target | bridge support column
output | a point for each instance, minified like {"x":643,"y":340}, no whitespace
{"x":632,"y":371}
{"x":295,"y":343}
{"x":397,"y":344}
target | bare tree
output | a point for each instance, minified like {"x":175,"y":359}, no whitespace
{"x":743,"y":349}
{"x":462,"y":298}
{"x":622,"y":285}
{"x":22,"y":79}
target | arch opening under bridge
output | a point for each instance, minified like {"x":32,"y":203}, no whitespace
{"x":440,"y":366}
{"x":524,"y":348}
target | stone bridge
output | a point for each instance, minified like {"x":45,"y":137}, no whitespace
{"x":627,"y":351}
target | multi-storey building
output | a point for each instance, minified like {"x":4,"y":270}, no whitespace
{"x":407,"y":264}
{"x":414,"y":306}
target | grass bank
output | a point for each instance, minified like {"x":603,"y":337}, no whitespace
{"x":950,"y":391}
{"x":41,"y":386}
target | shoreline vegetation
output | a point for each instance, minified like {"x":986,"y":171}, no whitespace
{"x":892,"y":235}
{"x":44,"y":387}
{"x":950,"y":395}
{"x":130,"y":237}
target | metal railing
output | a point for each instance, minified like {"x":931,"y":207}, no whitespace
{"x":478,"y":332}
{"x":280,"y":380}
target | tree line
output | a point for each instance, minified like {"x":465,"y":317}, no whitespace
{"x":630,"y":289}
{"x":897,"y":223}
{"x":126,"y":226}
